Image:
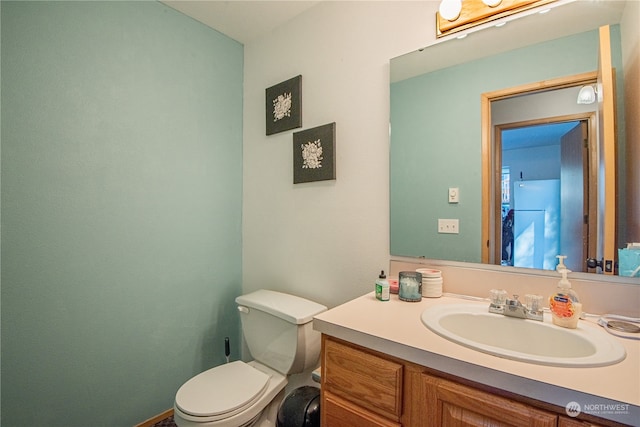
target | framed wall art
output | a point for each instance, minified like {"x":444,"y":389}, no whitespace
{"x":284,"y":106}
{"x":314,"y":154}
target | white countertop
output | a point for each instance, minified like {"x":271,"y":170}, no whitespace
{"x":394,"y":327}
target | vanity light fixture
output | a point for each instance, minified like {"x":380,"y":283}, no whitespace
{"x":587,"y":95}
{"x":461,"y":15}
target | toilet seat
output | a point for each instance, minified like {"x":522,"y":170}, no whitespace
{"x":228,"y":395}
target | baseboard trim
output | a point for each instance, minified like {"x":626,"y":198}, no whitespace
{"x":154,"y":420}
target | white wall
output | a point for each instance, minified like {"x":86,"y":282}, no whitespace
{"x":325,"y":241}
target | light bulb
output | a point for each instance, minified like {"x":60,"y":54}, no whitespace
{"x":587,"y":95}
{"x":450,"y":9}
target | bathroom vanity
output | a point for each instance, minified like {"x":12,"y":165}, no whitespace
{"x":382,"y":367}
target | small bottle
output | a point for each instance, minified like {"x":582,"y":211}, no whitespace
{"x":564,"y":304}
{"x":382,"y":287}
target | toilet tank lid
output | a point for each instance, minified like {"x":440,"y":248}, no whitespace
{"x":288,"y":307}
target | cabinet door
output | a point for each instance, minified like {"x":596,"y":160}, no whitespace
{"x":363,"y":378}
{"x":337,"y":412}
{"x":572,"y":422}
{"x":449,"y":404}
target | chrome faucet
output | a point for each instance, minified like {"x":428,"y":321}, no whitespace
{"x":514,"y":308}
{"x":500,"y":304}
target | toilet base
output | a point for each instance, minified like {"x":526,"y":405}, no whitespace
{"x":269,"y":416}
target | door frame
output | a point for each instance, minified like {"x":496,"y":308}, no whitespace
{"x":491,"y":174}
{"x":590,"y":171}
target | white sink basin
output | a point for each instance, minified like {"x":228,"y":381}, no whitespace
{"x":526,"y":340}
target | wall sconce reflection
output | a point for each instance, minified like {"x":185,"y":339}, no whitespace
{"x":587,"y":95}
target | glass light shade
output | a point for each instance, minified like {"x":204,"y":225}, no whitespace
{"x":587,"y":95}
{"x":450,"y":9}
{"x":492,"y":3}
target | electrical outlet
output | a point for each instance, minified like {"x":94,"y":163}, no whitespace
{"x":448,"y":226}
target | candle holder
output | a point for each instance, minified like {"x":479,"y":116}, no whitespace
{"x":410,"y":286}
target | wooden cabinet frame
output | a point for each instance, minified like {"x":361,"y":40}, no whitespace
{"x":361,"y":387}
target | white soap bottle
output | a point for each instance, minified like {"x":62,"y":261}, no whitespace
{"x":564,"y":304}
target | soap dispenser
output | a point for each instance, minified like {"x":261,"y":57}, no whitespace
{"x":564,"y":304}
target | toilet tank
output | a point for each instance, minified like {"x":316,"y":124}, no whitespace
{"x":278,"y":330}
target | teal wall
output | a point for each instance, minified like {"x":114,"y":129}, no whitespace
{"x":436,"y":140}
{"x":121,"y":208}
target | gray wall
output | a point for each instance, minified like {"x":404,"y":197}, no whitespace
{"x":121,"y":208}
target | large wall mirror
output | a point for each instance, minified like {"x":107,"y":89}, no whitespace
{"x":437,"y":130}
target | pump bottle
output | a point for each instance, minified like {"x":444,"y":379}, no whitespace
{"x":564,"y":304}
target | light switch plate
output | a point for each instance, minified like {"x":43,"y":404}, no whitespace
{"x":448,"y":226}
{"x":454,"y":194}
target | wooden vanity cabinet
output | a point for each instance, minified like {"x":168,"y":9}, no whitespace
{"x":365,"y":388}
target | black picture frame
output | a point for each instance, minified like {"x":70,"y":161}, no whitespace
{"x":283,"y":106}
{"x":314,"y":154}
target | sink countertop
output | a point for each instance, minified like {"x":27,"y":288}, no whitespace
{"x":394,"y":327}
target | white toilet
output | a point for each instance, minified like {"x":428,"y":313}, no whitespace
{"x":278,"y":330}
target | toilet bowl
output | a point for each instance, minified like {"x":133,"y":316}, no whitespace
{"x":278,"y":331}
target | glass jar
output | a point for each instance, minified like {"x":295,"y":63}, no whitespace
{"x":410,"y":286}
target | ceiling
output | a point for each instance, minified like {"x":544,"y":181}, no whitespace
{"x":535,"y":135}
{"x":243,"y":21}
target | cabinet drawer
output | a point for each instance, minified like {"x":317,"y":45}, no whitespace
{"x":363,"y":378}
{"x":338,"y":412}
